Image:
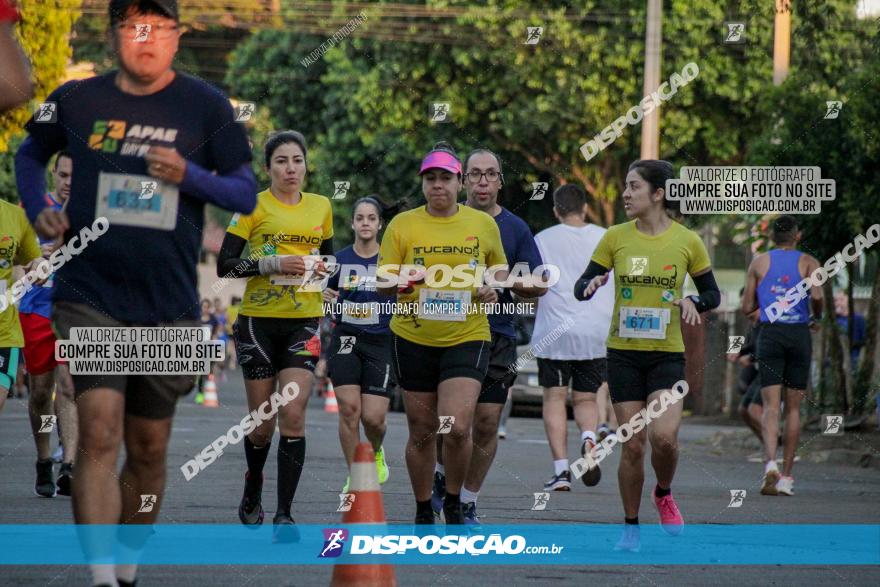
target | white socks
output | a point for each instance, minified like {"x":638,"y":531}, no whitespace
{"x":587,"y":434}
{"x":771,"y":466}
{"x":468,"y":496}
{"x":560,"y":466}
{"x":126,"y":573}
{"x":103,"y":574}
{"x":438,"y":468}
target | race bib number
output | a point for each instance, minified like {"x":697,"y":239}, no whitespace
{"x":643,"y":322}
{"x":137,"y":200}
{"x":311,"y":281}
{"x":445,"y":305}
{"x":365,"y":314}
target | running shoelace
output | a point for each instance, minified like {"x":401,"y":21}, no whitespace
{"x":669,"y":506}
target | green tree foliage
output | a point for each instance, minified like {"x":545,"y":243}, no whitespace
{"x":534,"y":104}
{"x":43,"y":34}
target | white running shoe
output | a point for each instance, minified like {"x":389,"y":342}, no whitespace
{"x":771,"y":478}
{"x":785,"y":486}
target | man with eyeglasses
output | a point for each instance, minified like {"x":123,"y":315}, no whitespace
{"x":144,"y":125}
{"x":483,"y":183}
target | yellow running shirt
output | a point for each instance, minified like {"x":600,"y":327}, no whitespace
{"x":649,"y":274}
{"x":18,"y":246}
{"x":276,"y":228}
{"x":469,"y":238}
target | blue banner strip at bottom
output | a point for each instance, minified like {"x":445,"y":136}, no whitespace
{"x":551,"y":544}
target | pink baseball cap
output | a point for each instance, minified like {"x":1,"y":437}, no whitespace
{"x":440,"y":160}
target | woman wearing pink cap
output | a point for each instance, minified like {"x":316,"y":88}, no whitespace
{"x":440,"y":341}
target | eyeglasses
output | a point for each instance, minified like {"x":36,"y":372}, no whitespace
{"x":476,"y":176}
{"x":137,"y":31}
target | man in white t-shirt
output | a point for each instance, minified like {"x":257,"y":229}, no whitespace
{"x":569,"y":339}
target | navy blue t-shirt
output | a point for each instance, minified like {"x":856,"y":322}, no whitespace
{"x":143,"y":269}
{"x":519,"y":247}
{"x":358,"y":286}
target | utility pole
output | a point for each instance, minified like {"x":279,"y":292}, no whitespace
{"x":651,"y":122}
{"x":781,"y":41}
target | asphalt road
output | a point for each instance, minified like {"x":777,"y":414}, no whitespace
{"x":826,"y":494}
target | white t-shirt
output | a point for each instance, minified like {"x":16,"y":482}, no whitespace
{"x":566,"y":329}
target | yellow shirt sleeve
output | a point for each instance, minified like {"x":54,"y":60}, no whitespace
{"x":30,"y":244}
{"x":495,"y":255}
{"x":390,"y":252}
{"x":604,"y":253}
{"x":698,"y":256}
{"x":328,"y":221}
{"x":241,"y":225}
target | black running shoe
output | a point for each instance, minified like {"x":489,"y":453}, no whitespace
{"x":45,"y":485}
{"x":424,"y":517}
{"x":453,"y":513}
{"x":560,"y":482}
{"x":470,"y":513}
{"x":127,"y":583}
{"x":438,"y":492}
{"x":285,"y":530}
{"x":250,"y":510}
{"x":65,"y":479}
{"x":593,"y":475}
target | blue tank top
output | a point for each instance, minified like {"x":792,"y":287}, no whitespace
{"x":782,"y":275}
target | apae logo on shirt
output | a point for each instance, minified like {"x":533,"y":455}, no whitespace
{"x":107,"y":134}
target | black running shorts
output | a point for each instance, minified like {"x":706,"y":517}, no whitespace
{"x":753,"y":394}
{"x":146,"y":396}
{"x":266,"y":346}
{"x":585,"y":376}
{"x":360,"y":358}
{"x":421,"y":368}
{"x":634,"y":375}
{"x":784,"y":353}
{"x":501,"y":372}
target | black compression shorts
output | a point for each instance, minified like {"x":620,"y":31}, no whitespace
{"x":634,"y":375}
{"x":501,"y":372}
{"x":363,"y":359}
{"x":421,"y":368}
{"x":265,"y":346}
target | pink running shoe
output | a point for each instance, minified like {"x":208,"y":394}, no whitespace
{"x":670,"y":517}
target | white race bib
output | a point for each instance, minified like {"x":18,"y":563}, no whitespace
{"x":445,"y":305}
{"x":643,"y":322}
{"x":137,"y":200}
{"x":309,"y":282}
{"x":360,"y":314}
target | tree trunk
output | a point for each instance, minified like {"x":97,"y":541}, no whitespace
{"x":837,"y":380}
{"x":849,"y":335}
{"x":867,"y":365}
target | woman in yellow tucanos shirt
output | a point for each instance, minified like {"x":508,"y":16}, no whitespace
{"x":276,"y":333}
{"x":18,"y":246}
{"x":650,"y":256}
{"x":441,"y":339}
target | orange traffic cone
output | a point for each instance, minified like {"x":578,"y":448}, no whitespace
{"x":330,"y":404}
{"x":211,"y":400}
{"x":366,"y":508}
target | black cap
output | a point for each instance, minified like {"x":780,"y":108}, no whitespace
{"x":119,"y":8}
